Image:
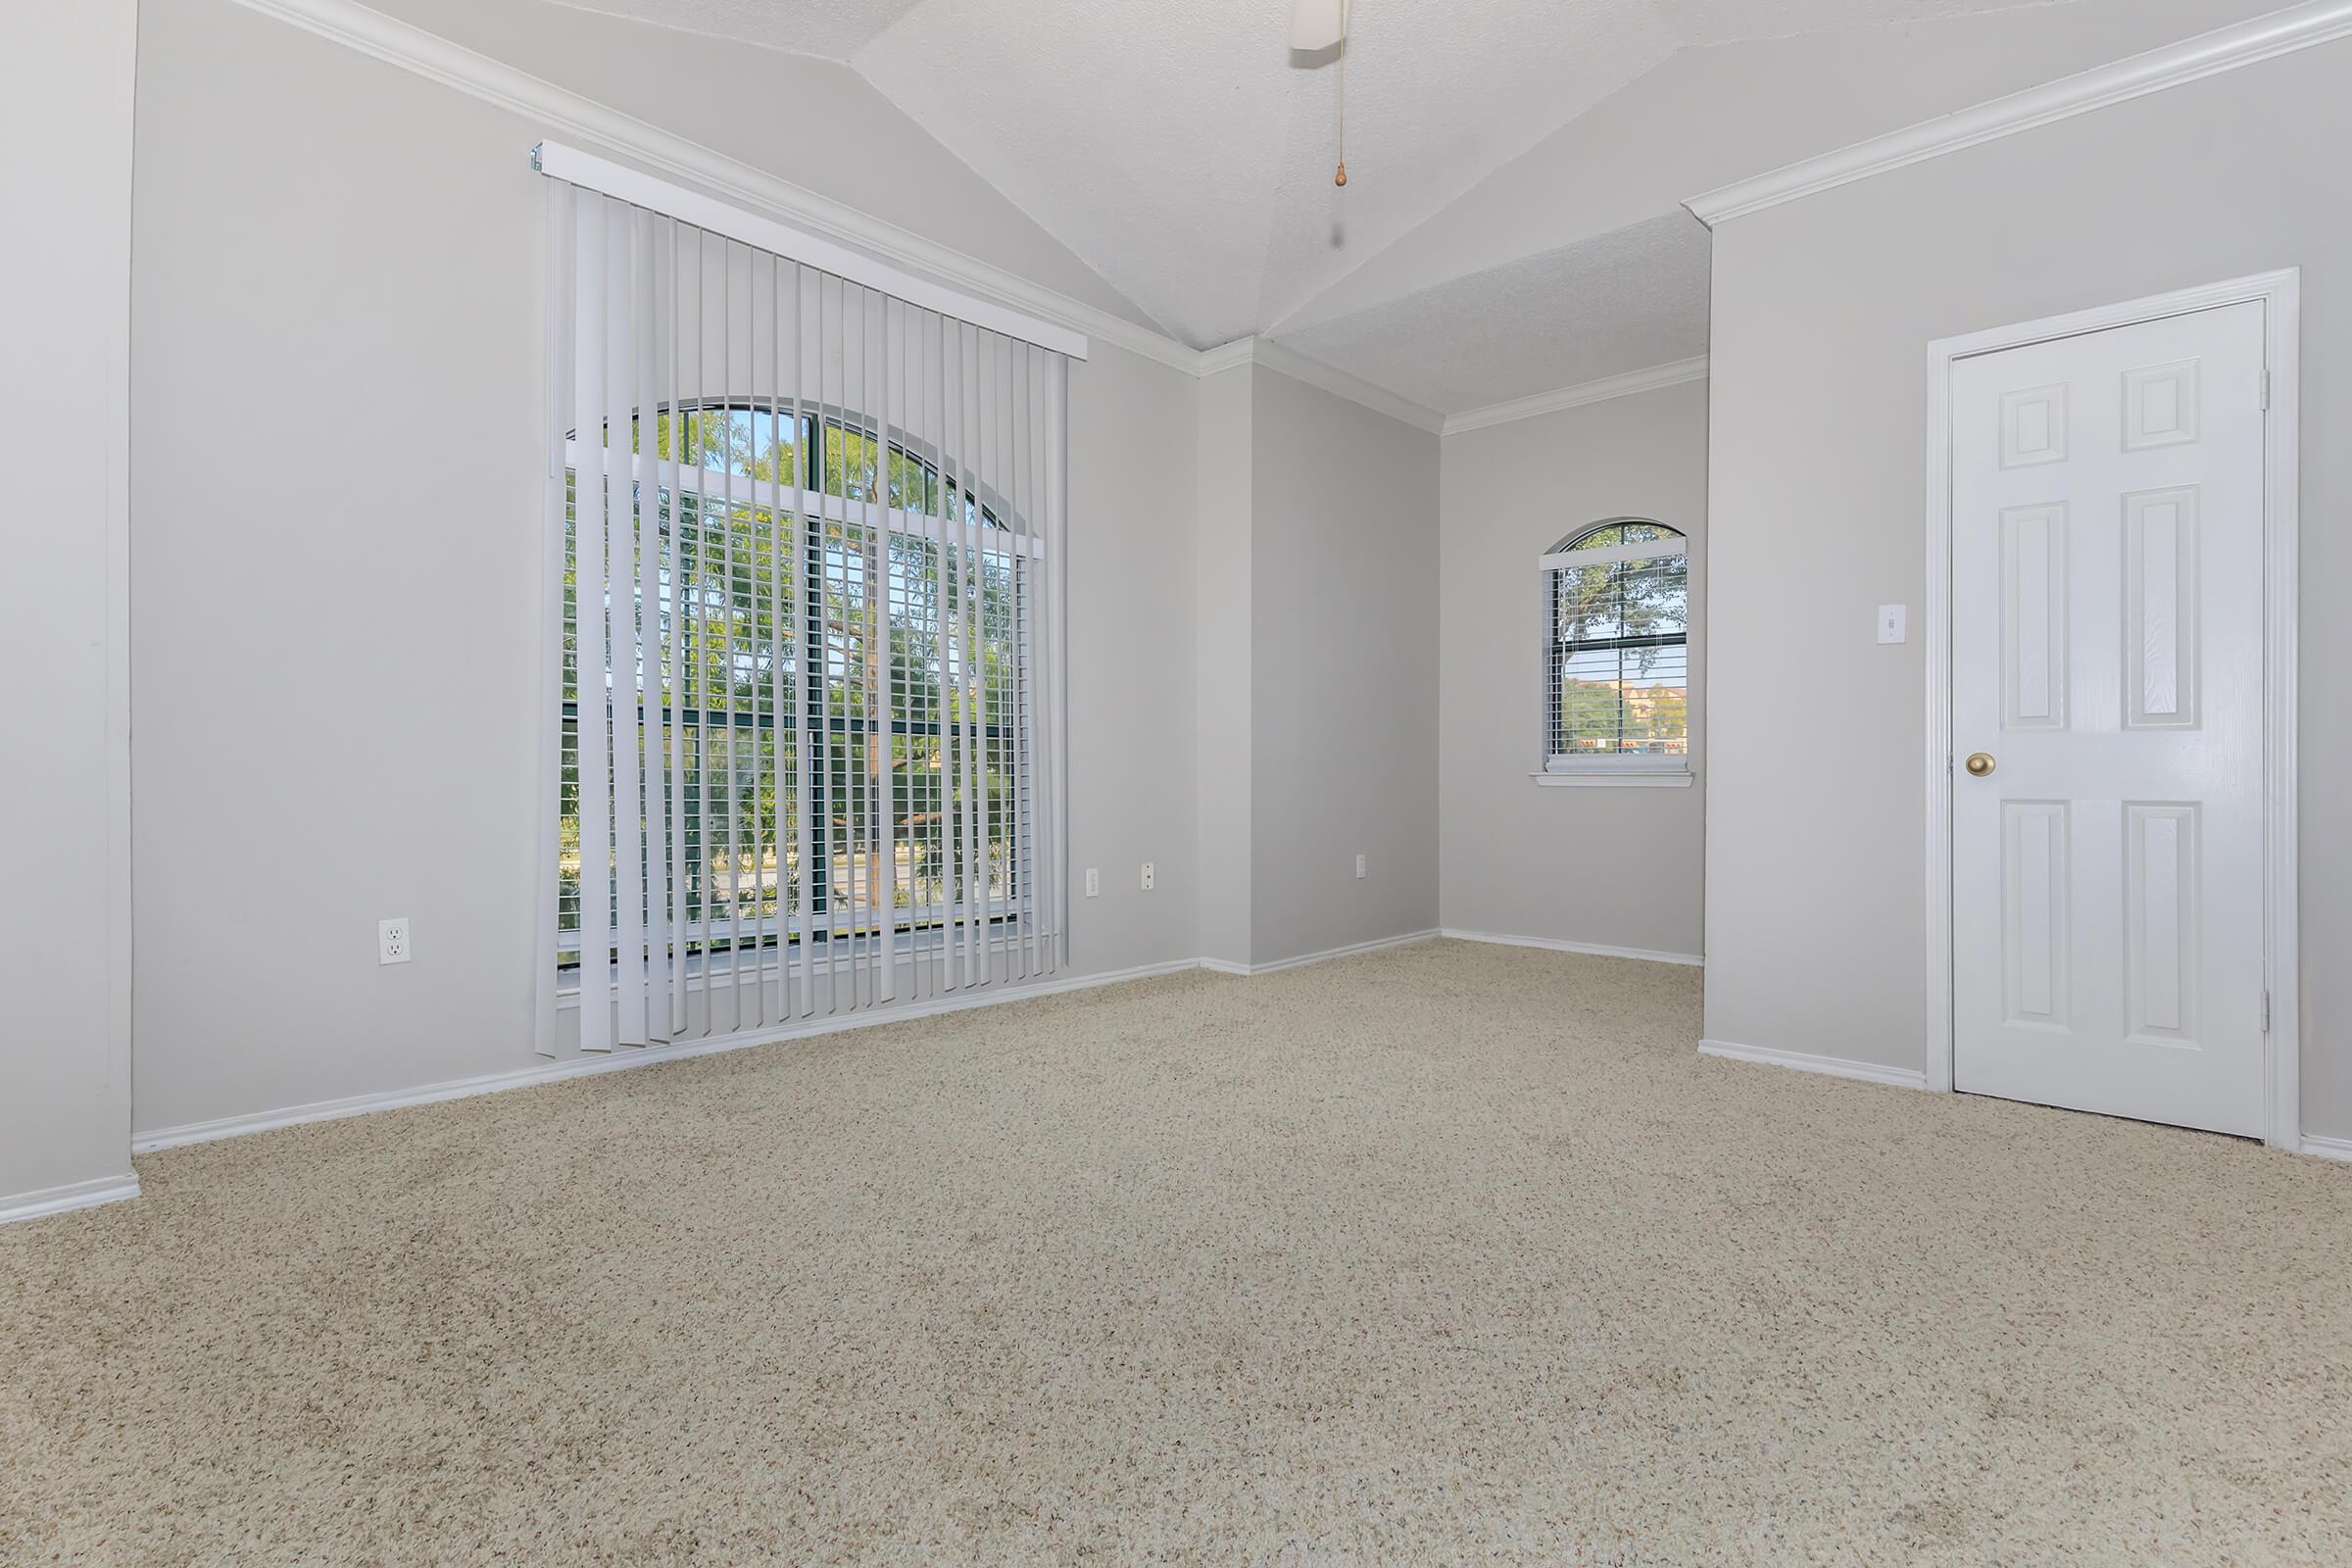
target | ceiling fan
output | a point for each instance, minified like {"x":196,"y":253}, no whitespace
{"x":1317,"y":26}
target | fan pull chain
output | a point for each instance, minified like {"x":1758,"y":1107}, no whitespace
{"x":1340,"y":177}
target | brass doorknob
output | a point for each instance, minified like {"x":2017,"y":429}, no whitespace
{"x":1979,"y":763}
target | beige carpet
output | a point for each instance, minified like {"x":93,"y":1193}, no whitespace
{"x":1445,"y":1253}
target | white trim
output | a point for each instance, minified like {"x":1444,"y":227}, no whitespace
{"x":1376,"y":945}
{"x":1578,"y":396}
{"x":628,"y":1058}
{"x":1936,"y":641}
{"x":1869,"y":1072}
{"x":2280,"y":294}
{"x":47,"y":1201}
{"x":619,"y":1060}
{"x":2283,"y":485}
{"x":2327,"y":1147}
{"x":452,"y":65}
{"x":1556,"y":945}
{"x":1272,"y":356}
{"x":558,"y":161}
{"x":1653,"y":778}
{"x":1227,"y":356}
{"x":2207,"y":54}
{"x":118,"y":439}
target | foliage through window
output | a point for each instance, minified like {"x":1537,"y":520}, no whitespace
{"x":1617,"y":647}
{"x":762,"y":614}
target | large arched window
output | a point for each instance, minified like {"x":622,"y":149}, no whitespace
{"x":775,"y":579}
{"x":805,"y":735}
{"x":1617,"y":685}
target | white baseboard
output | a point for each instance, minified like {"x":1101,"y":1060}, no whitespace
{"x":1229,"y":966}
{"x":71,"y":1196}
{"x":626,"y":1058}
{"x":107,"y":1190}
{"x":1869,"y":1072}
{"x":621,"y":1059}
{"x":1554,"y":944}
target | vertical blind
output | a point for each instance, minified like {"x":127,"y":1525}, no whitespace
{"x":802,"y":540}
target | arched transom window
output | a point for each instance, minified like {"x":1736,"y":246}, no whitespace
{"x":1616,"y":651}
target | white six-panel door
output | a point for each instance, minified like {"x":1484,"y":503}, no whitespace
{"x":2107,"y":663}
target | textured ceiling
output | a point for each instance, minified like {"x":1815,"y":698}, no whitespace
{"x":1618,"y":302}
{"x":1731,"y":21}
{"x":1179,"y":151}
{"x":1183,"y":153}
{"x":833,"y":30}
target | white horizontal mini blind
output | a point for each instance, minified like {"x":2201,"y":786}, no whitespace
{"x":802,"y":542}
{"x":1618,"y":675}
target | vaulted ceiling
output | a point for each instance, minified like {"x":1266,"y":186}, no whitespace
{"x":1182,"y":152}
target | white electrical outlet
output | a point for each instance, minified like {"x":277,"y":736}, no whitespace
{"x":1359,"y":867}
{"x":1147,"y":873}
{"x":392,"y":940}
{"x":1094,"y":881}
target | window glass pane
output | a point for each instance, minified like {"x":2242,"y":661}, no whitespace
{"x":738,"y":633}
{"x":1629,"y":531}
{"x":1619,"y":661}
{"x":752,"y":443}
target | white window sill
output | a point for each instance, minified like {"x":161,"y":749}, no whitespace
{"x":1624,"y":778}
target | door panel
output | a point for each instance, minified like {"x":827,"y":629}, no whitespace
{"x":2037,"y":934}
{"x":2107,"y":602}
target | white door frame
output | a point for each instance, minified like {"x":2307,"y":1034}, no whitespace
{"x":2280,"y":293}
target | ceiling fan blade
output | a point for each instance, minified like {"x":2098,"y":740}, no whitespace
{"x":1318,"y":24}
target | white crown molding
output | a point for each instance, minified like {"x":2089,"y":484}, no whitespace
{"x":1273,"y":356}
{"x":558,"y":108}
{"x":1226,"y":357}
{"x":2244,"y":43}
{"x":1577,"y":397}
{"x":1290,"y":362}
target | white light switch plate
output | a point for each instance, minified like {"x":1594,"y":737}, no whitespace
{"x":1891,"y":619}
{"x":1094,"y":881}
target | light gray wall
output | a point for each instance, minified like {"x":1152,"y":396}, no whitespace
{"x":64,"y":290}
{"x":1344,"y":506}
{"x":1823,"y":309}
{"x":1609,"y":866}
{"x":1132,"y":659}
{"x":338,"y":388}
{"x":1222,"y":573}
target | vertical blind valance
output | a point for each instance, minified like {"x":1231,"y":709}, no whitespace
{"x":805,"y":732}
